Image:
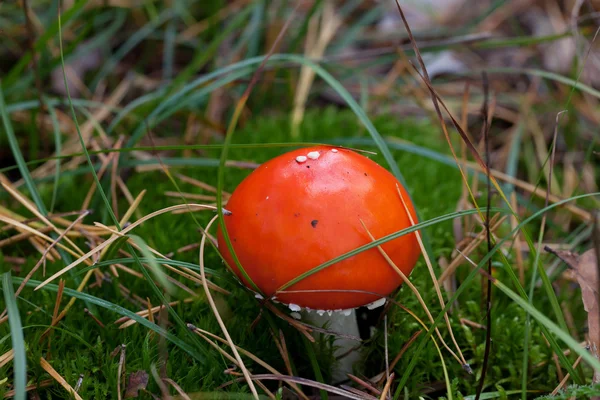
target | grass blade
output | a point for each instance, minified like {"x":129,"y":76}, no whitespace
{"x":424,"y":338}
{"x":119,"y":310}
{"x":16,"y":333}
{"x":18,"y":155}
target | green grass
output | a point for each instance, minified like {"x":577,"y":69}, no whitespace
{"x":224,"y":57}
{"x":168,"y":233}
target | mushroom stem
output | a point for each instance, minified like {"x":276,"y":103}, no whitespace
{"x":346,"y":353}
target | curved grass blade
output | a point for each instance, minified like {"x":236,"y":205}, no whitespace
{"x":56,"y":102}
{"x":131,"y":42}
{"x":17,"y":70}
{"x":467,"y":281}
{"x":83,"y":146}
{"x":310,"y":351}
{"x":171,"y":147}
{"x":18,"y":155}
{"x":29,"y":182}
{"x":119,"y":310}
{"x":384,"y":239}
{"x":109,"y":261}
{"x":551,"y":326}
{"x":202,"y":57}
{"x":223,"y":159}
{"x":546,"y":75}
{"x":16,"y":333}
{"x":152,"y":262}
{"x":58,"y":150}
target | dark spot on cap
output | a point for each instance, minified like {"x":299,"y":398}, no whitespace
{"x":308,"y":166}
{"x":234,"y":239}
{"x":296,"y":214}
{"x":365,"y":174}
{"x":314,"y":223}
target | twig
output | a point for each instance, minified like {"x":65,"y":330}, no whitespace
{"x":120,"y":370}
{"x":488,"y":334}
{"x":88,"y":312}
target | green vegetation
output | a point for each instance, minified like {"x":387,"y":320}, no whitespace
{"x":153,"y":108}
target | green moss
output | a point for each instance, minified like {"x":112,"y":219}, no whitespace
{"x":435,"y":189}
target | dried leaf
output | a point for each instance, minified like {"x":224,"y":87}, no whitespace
{"x":137,"y":381}
{"x":585,"y":267}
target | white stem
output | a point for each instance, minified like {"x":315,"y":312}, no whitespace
{"x":344,"y":324}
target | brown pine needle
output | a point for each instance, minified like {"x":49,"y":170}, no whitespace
{"x":205,"y":334}
{"x":386,"y":388}
{"x":7,"y":357}
{"x":48,"y":368}
{"x":27,"y":204}
{"x":218,"y":316}
{"x":59,"y":293}
{"x":178,"y":388}
{"x":147,"y":313}
{"x":112,"y":239}
{"x":563,"y":382}
{"x":415,"y":291}
{"x":458,"y":260}
{"x":465,"y":364}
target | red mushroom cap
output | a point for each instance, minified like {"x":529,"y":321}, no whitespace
{"x":304,"y":208}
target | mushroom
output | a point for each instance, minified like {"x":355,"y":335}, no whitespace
{"x":308,"y":206}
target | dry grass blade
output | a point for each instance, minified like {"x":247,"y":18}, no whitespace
{"x":114,"y":177}
{"x":380,"y":377}
{"x":7,"y":357}
{"x":280,"y":343}
{"x":412,"y":287}
{"x":464,"y":363}
{"x":304,"y":329}
{"x":59,"y":293}
{"x":386,"y":388}
{"x":488,"y":310}
{"x":160,"y":382}
{"x":120,"y":371}
{"x":148,"y":313}
{"x":218,"y":316}
{"x":459,"y":260}
{"x":38,"y":385}
{"x":366,"y":385}
{"x":315,"y":46}
{"x":201,"y":185}
{"x":178,"y":388}
{"x":27,"y":204}
{"x":517,"y":241}
{"x":254,"y":358}
{"x":563,"y":382}
{"x":307,"y":382}
{"x":191,"y":196}
{"x":48,"y":368}
{"x":125,"y":230}
{"x":43,"y":258}
{"x":36,"y":234}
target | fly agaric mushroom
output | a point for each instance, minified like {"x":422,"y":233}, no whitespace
{"x":308,"y":206}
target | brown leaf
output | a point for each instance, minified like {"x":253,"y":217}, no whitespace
{"x":585,"y":267}
{"x":137,"y":381}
